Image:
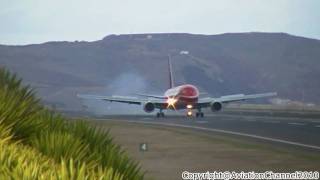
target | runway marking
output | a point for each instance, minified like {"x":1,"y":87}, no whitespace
{"x":315,"y":121}
{"x":271,"y":121}
{"x":263,"y":117}
{"x":201,"y":122}
{"x":299,"y":124}
{"x":318,"y":126}
{"x":227,"y":132}
{"x":250,"y":120}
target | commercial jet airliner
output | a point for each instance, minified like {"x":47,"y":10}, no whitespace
{"x":178,"y":97}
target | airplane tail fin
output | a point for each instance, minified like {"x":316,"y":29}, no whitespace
{"x":171,"y":81}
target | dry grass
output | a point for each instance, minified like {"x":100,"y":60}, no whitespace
{"x":173,"y":150}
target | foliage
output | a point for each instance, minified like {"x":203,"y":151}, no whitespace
{"x":19,"y":161}
{"x":36,"y":143}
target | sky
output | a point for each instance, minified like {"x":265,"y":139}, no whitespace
{"x":38,"y":21}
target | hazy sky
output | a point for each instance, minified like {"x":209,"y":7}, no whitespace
{"x":36,"y":21}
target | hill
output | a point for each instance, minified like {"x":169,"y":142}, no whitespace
{"x":219,"y":64}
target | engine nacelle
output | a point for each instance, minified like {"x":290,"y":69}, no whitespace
{"x":216,"y":106}
{"x":148,"y":107}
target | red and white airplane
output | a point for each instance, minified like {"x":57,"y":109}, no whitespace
{"x":178,"y":97}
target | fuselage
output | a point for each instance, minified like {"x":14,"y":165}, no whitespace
{"x":185,"y":96}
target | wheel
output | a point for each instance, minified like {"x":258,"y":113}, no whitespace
{"x":158,"y":115}
{"x":201,"y":114}
{"x":197,"y":114}
{"x":162,"y":114}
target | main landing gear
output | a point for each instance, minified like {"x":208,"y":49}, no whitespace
{"x":160,"y":114}
{"x":199,"y":113}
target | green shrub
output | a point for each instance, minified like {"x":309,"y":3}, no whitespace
{"x":36,"y":143}
{"x":21,"y":162}
{"x":18,"y":106}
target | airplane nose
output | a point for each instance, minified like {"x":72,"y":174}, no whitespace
{"x":189,"y":91}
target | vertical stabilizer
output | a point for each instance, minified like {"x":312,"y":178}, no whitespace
{"x":171,"y":84}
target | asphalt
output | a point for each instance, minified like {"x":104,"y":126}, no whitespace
{"x":293,"y":132}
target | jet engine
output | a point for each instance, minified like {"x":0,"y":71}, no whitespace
{"x":148,"y":107}
{"x":216,"y":106}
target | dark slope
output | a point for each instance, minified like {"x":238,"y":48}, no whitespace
{"x":219,"y":64}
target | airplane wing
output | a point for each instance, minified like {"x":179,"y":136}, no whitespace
{"x":160,"y":97}
{"x":159,"y":103}
{"x":150,"y":95}
{"x":205,"y":102}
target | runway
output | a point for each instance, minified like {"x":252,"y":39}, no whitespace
{"x":294,"y":132}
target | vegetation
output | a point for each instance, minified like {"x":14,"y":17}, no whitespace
{"x":36,"y":143}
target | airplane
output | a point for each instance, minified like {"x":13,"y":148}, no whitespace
{"x":184,"y":96}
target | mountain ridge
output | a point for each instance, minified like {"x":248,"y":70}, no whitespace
{"x":144,"y":34}
{"x":222,"y":64}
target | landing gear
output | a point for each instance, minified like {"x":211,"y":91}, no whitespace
{"x":199,"y":113}
{"x":160,"y":114}
{"x":189,"y":113}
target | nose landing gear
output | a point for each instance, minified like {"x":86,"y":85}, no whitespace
{"x":189,"y":113}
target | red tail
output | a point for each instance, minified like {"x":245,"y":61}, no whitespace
{"x":171,"y":85}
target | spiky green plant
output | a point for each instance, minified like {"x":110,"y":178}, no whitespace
{"x":36,"y":143}
{"x":108,"y":153}
{"x":18,"y":106}
{"x":22,"y":162}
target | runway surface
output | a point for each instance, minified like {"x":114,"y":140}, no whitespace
{"x":295,"y":132}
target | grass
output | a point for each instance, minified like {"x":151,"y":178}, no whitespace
{"x":36,"y":143}
{"x":241,"y":143}
{"x":172,"y":150}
